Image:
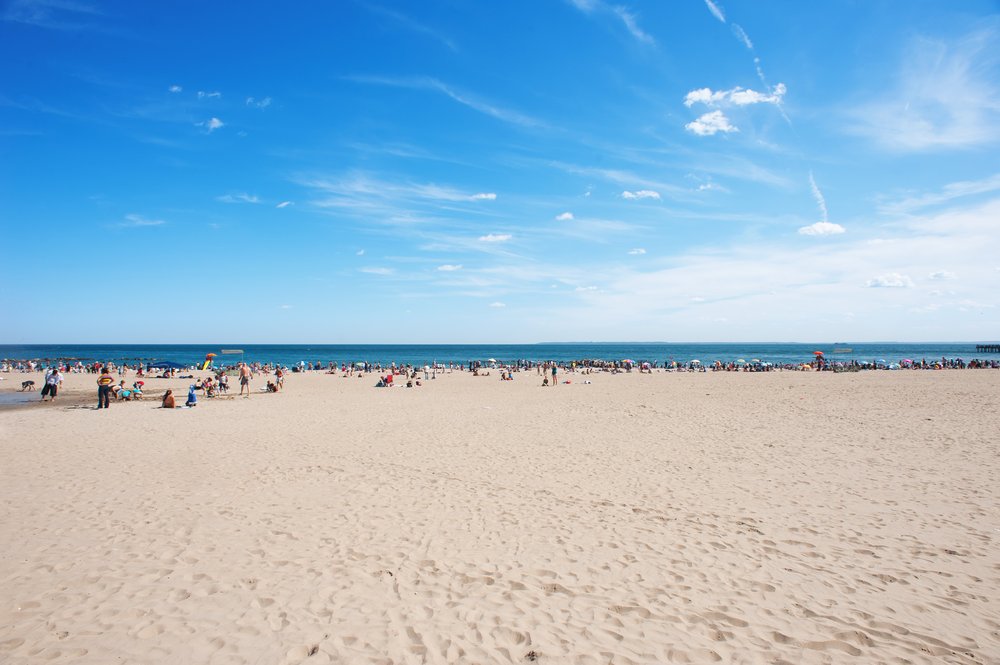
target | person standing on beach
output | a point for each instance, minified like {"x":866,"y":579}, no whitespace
{"x":245,"y":378}
{"x":104,"y":383}
{"x":555,"y":382}
{"x":51,"y":387}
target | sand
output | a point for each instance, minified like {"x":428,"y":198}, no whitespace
{"x":739,"y":518}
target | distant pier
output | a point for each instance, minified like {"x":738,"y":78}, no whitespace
{"x":987,"y":348}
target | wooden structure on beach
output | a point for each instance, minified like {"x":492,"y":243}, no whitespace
{"x":987,"y":348}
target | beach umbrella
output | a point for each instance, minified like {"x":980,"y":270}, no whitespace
{"x":755,"y":360}
{"x":741,"y":361}
{"x":695,"y":362}
{"x":817,"y":353}
{"x":491,"y":360}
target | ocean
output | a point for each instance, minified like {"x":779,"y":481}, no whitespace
{"x":419,"y":354}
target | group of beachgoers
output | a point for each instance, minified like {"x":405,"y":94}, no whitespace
{"x":115,"y":388}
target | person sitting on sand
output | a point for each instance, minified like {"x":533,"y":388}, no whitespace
{"x":192,"y":399}
{"x":168,"y":400}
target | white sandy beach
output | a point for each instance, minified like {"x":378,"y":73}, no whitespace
{"x":738,"y":518}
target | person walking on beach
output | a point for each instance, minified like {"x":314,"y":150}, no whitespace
{"x":104,"y":383}
{"x":51,"y":387}
{"x":244,"y":378}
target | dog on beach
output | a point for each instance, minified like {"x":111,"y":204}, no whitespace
{"x":27,"y":385}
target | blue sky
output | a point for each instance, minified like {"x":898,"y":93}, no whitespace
{"x":563,"y":170}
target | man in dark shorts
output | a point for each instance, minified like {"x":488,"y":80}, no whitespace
{"x":245,"y":378}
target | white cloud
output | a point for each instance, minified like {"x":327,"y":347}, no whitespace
{"x":284,"y":307}
{"x":258,"y":103}
{"x":942,"y":274}
{"x":449,"y":268}
{"x":818,"y":195}
{"x":495,"y":237}
{"x":360,"y":252}
{"x":710,"y":124}
{"x":484,"y":196}
{"x":640,"y":194}
{"x":638,"y":251}
{"x":821,"y":229}
{"x":211,"y":124}
{"x":946,"y":96}
{"x":716,"y":10}
{"x":238,"y":198}
{"x":376,"y":271}
{"x":564,"y":217}
{"x":892,"y":280}
{"x":175,"y":88}
{"x":285,"y":204}
{"x":208,"y":95}
{"x":697,"y":299}
{"x":742,"y":36}
{"x":586,"y":288}
{"x":735,"y":96}
{"x":134,"y":221}
{"x":497,"y":304}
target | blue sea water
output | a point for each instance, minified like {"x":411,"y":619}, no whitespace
{"x":420,"y":354}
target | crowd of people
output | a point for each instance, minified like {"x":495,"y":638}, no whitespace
{"x":112,"y":387}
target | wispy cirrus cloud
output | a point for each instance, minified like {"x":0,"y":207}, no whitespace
{"x":638,"y":251}
{"x":632,"y":25}
{"x":412,"y":24}
{"x":716,"y":10}
{"x":285,"y":204}
{"x":138,"y":221}
{"x":820,"y":200}
{"x":259,"y":103}
{"x":241,"y":197}
{"x":948,"y":193}
{"x":742,"y":36}
{"x":624,"y":14}
{"x":52,"y":14}
{"x":945,"y":96}
{"x":449,"y":267}
{"x":465,"y":98}
{"x":215,"y":94}
{"x":377,"y":270}
{"x":495,"y":237}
